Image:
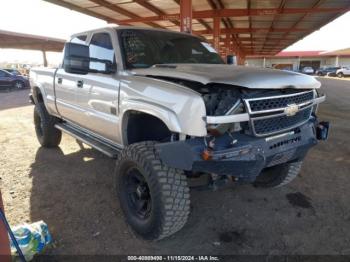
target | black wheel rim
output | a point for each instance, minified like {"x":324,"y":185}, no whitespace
{"x":138,"y":193}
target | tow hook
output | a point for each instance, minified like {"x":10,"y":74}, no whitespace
{"x":322,"y":130}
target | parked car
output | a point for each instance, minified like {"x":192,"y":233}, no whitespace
{"x":344,"y":71}
{"x":13,"y":71}
{"x":307,"y":70}
{"x":166,"y":106}
{"x":327,"y":70}
{"x":12,"y":81}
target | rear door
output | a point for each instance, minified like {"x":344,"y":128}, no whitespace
{"x":66,"y":86}
{"x":97,"y":96}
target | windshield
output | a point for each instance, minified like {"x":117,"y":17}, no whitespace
{"x":145,"y":48}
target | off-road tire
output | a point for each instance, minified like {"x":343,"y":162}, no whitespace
{"x":47,"y":134}
{"x":279,"y":175}
{"x":168,"y":190}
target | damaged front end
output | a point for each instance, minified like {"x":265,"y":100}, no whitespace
{"x":249,"y":130}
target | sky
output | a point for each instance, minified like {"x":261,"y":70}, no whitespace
{"x":332,"y":36}
{"x":41,"y":18}
{"x":38,"y":17}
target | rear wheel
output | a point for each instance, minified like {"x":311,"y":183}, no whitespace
{"x":340,"y":75}
{"x":155,"y":199}
{"x":47,"y":134}
{"x":279,"y":175}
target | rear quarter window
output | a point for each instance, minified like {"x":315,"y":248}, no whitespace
{"x":81,"y":39}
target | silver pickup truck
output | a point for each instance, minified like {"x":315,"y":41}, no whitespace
{"x":169,"y":110}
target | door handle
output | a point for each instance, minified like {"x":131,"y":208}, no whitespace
{"x":80,"y":83}
{"x":59,"y":80}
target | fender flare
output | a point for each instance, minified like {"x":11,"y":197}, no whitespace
{"x":165,"y":115}
{"x":36,"y":91}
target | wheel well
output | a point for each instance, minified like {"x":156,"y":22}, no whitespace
{"x":145,"y":127}
{"x":38,"y":97}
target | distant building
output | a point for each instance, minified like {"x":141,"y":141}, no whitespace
{"x":296,"y":60}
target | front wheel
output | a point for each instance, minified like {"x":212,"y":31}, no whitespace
{"x":279,"y":175}
{"x":155,"y":199}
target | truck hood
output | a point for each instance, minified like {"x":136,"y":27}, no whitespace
{"x":249,"y":77}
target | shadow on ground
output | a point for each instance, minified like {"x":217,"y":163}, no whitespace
{"x":73,"y":193}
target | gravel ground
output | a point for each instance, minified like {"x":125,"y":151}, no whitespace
{"x":70,"y":189}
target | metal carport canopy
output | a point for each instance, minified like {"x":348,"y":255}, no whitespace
{"x":241,"y":27}
{"x":32,"y":42}
{"x":15,"y":40}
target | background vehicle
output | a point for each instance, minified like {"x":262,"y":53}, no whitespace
{"x":322,"y":71}
{"x":12,"y":81}
{"x":344,"y":71}
{"x":167,"y":107}
{"x":307,"y":70}
{"x":13,"y":71}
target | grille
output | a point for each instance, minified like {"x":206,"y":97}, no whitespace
{"x":279,"y":123}
{"x":279,"y":102}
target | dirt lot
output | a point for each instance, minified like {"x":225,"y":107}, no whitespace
{"x":70,"y":189}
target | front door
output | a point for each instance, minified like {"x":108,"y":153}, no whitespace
{"x":66,"y":89}
{"x":97,"y":96}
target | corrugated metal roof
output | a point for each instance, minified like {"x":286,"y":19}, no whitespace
{"x":258,"y":27}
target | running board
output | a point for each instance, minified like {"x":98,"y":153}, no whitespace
{"x":90,"y":140}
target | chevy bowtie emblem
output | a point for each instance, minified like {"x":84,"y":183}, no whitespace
{"x":291,"y":110}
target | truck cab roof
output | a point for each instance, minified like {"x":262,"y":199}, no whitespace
{"x":112,"y":27}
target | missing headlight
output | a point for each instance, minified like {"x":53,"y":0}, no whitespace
{"x":220,"y":129}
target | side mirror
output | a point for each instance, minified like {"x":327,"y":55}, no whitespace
{"x":102,"y":66}
{"x":76,"y":58}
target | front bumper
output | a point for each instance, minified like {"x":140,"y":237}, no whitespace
{"x":245,"y":158}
